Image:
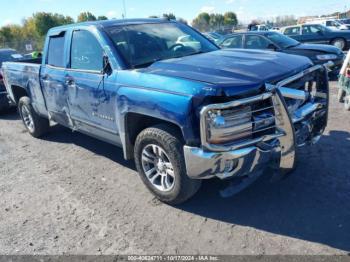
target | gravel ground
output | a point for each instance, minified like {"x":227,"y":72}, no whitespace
{"x":71,"y":194}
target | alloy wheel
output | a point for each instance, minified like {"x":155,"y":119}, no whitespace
{"x":158,"y":168}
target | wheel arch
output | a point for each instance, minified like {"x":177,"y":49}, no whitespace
{"x":135,"y":123}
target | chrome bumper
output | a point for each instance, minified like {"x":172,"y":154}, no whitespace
{"x":304,"y":126}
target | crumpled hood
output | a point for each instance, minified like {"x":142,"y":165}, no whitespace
{"x":232,"y":69}
{"x":318,"y":47}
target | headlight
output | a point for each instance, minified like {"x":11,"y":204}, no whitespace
{"x":229,"y":125}
{"x":326,"y":57}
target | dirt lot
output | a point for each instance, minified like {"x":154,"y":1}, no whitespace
{"x":69,"y":193}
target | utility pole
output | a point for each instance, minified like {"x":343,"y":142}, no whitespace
{"x":124,"y":7}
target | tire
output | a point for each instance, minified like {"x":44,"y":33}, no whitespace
{"x":36,"y":125}
{"x":4,"y":104}
{"x":340,"y":43}
{"x":347,"y":102}
{"x":149,"y":144}
{"x":341,"y":95}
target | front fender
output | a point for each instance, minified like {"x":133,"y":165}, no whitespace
{"x":167,"y":106}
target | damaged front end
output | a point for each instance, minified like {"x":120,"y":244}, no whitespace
{"x":242,"y":137}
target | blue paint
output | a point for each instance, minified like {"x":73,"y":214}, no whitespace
{"x":173,"y":90}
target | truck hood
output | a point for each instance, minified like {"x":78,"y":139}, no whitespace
{"x":232,"y":70}
{"x":318,"y":48}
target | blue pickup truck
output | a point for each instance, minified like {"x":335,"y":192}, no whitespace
{"x":184,"y":111}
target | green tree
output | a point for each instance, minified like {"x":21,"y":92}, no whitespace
{"x":181,"y":20}
{"x":102,"y":17}
{"x":216,"y":21}
{"x":169,"y":16}
{"x":201,"y":22}
{"x":86,"y":16}
{"x":230,"y":19}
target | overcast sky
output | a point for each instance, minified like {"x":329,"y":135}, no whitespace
{"x":15,"y":10}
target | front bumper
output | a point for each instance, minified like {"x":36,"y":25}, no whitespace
{"x":303,"y":126}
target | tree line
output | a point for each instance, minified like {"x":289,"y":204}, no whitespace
{"x":215,"y":22}
{"x":34,"y":29}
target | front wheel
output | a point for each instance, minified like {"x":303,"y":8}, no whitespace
{"x":161,"y":165}
{"x":35,"y":124}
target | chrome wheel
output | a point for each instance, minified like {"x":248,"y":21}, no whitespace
{"x":27,"y":118}
{"x":339,"y":43}
{"x":158,"y":168}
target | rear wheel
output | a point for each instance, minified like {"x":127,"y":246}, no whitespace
{"x":35,"y":124}
{"x":340,"y":43}
{"x":161,"y":165}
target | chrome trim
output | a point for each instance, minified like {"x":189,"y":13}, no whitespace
{"x":287,"y":142}
{"x":294,"y":93}
{"x":306,"y":110}
{"x":3,"y":93}
{"x":206,"y":109}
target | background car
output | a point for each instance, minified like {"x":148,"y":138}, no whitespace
{"x":5,"y":56}
{"x":214,"y":37}
{"x":318,"y":34}
{"x":319,"y":54}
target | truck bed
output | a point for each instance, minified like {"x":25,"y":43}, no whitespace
{"x":25,"y":74}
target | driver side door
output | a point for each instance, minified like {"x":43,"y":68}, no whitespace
{"x":91,"y":91}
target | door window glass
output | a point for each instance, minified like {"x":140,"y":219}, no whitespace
{"x":256,"y":42}
{"x":55,"y":55}
{"x":86,"y":52}
{"x":233,"y":42}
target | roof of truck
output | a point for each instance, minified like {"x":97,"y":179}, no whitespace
{"x":116,"y":22}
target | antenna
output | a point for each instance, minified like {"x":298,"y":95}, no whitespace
{"x":124,"y":7}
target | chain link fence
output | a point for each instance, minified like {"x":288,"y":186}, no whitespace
{"x":23,"y":46}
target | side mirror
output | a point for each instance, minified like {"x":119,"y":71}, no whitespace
{"x":319,"y":32}
{"x":107,"y":69}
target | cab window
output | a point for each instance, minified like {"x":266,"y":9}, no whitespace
{"x":55,"y":55}
{"x":311,"y":29}
{"x":292,"y":31}
{"x":86,"y":52}
{"x":233,"y":42}
{"x":256,"y":42}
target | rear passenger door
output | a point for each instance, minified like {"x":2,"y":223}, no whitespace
{"x":52,"y":78}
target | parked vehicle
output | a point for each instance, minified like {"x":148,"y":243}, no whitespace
{"x":344,"y":83}
{"x":214,"y":37}
{"x":253,"y":27}
{"x":318,"y":34}
{"x":183,"y":114}
{"x":319,"y":54}
{"x":6,"y":55}
{"x":332,"y":24}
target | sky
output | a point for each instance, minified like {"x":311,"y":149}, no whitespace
{"x":15,"y":10}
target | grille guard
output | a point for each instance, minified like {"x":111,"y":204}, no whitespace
{"x":248,"y":156}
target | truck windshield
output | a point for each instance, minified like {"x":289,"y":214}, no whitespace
{"x":141,"y":45}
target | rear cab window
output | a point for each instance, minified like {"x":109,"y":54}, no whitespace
{"x":292,"y":30}
{"x":55,"y":54}
{"x":233,"y":42}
